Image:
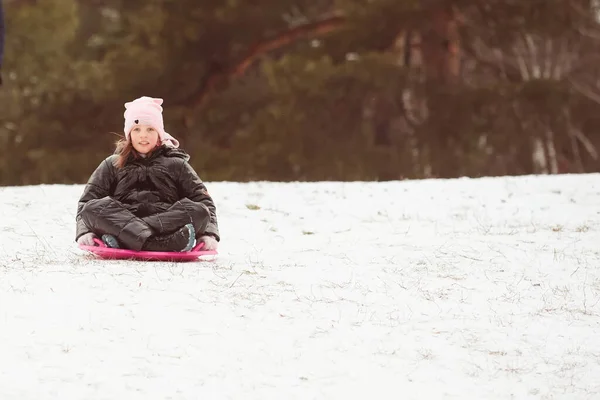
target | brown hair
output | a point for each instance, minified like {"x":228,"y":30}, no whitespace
{"x":123,"y":150}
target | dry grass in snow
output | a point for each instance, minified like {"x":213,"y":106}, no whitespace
{"x":439,"y":289}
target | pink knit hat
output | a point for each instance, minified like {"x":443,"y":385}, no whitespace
{"x":147,"y":111}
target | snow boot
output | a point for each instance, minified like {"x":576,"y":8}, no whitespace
{"x":180,"y":240}
{"x":110,"y":241}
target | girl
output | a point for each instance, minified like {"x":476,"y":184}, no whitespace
{"x":146,"y":196}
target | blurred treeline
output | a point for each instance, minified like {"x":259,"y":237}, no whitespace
{"x":306,"y":89}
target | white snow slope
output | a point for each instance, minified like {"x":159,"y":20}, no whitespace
{"x":438,"y":289}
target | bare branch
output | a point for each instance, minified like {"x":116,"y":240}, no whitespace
{"x":589,"y":146}
{"x":585,"y":91}
{"x":318,"y":28}
{"x":219,"y":74}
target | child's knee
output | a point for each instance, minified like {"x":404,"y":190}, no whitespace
{"x":200,"y":217}
{"x":201,"y":212}
{"x":95,"y":205}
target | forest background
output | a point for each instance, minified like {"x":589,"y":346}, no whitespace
{"x":306,"y":90}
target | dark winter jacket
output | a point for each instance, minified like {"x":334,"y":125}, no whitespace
{"x":146,"y":186}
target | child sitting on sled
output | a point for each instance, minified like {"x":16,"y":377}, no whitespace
{"x":146,"y":196}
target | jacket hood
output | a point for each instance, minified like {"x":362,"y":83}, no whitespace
{"x":168,"y":151}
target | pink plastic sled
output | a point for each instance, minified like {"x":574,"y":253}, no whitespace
{"x":106,"y":252}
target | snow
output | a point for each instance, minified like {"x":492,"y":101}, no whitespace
{"x":456,"y":289}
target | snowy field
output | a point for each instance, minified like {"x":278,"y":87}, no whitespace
{"x":456,"y":289}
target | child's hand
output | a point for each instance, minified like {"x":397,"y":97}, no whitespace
{"x":210,"y":243}
{"x":87,"y":239}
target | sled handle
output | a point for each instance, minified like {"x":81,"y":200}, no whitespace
{"x":198,"y":246}
{"x":99,"y":242}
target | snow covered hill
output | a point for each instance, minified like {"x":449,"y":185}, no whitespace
{"x":439,"y":289}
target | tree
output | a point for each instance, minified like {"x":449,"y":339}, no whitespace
{"x":305,"y":89}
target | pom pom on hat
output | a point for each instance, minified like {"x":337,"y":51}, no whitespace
{"x":147,"y":111}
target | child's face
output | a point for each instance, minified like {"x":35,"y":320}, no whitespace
{"x":144,"y":138}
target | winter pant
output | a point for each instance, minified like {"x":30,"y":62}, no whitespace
{"x":182,"y":212}
{"x":109,"y":216}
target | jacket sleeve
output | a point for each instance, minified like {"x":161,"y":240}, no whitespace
{"x":99,"y":185}
{"x":192,"y":187}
